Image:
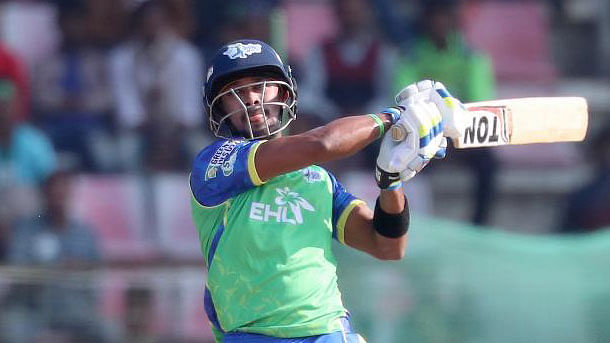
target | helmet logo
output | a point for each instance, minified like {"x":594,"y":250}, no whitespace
{"x":239,"y":50}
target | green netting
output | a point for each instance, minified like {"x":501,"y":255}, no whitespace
{"x":459,"y":283}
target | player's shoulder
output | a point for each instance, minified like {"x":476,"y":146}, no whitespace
{"x":218,"y":153}
{"x":315,"y":173}
{"x":320,"y":171}
{"x":330,"y":178}
{"x":219,"y":150}
{"x":222,"y":170}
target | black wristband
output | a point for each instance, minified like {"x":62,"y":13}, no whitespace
{"x":391,"y":225}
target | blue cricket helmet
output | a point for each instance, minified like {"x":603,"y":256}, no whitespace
{"x":247,"y":58}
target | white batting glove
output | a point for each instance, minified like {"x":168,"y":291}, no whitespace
{"x":452,"y":109}
{"x":412,"y":141}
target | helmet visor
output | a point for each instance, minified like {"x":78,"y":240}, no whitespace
{"x":252,"y":111}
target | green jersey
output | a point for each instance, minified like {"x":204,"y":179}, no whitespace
{"x":267,"y":246}
{"x":467,"y":73}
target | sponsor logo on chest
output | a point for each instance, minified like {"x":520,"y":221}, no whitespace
{"x":287,"y":208}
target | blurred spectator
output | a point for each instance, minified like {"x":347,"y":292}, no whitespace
{"x":107,"y":21}
{"x":72,"y":94}
{"x":180,"y":14}
{"x":12,"y":69}
{"x":249,"y":19}
{"x":350,"y":73}
{"x":27,"y":155}
{"x":28,"y":29}
{"x":54,"y":238}
{"x":52,"y":309}
{"x":221,"y":21}
{"x":441,"y":53}
{"x":395,"y":18}
{"x":139,"y":316}
{"x":588,"y":208}
{"x":156,"y":77}
{"x":26,"y":159}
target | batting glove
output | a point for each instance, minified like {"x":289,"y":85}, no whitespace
{"x":452,"y":109}
{"x":412,"y":141}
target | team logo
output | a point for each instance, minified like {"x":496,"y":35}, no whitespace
{"x":210,"y":172}
{"x":239,"y":50}
{"x":288,"y":208}
{"x":311,"y":175}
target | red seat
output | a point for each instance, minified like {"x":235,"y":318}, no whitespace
{"x":515,"y":34}
{"x":302,"y":36}
{"x":178,"y":238}
{"x":115,"y":207}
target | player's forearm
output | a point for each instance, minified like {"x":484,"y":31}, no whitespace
{"x":392,"y":202}
{"x":390,"y":249}
{"x":338,"y":139}
{"x":346,"y":136}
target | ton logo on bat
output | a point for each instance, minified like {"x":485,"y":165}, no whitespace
{"x":488,"y":127}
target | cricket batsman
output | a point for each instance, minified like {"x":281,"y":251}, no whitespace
{"x":266,"y":214}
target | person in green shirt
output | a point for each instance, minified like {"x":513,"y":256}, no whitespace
{"x":441,"y":53}
{"x":266,"y":214}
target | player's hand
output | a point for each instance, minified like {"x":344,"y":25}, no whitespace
{"x":410,"y":144}
{"x":452,"y":109}
{"x":394,"y":112}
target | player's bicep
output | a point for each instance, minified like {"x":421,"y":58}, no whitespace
{"x":358,"y":232}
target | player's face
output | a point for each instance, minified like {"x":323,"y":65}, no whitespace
{"x":247,"y":99}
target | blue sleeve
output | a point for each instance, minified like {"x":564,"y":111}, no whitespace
{"x":343,"y":204}
{"x":223,"y":170}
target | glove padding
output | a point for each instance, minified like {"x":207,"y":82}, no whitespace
{"x":400,"y":158}
{"x":452,"y":109}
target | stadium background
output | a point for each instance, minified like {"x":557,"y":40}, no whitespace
{"x":524,"y":272}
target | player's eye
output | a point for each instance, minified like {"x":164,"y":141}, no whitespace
{"x":250,"y":90}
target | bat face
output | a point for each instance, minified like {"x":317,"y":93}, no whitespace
{"x":523,"y":121}
{"x":487,"y":126}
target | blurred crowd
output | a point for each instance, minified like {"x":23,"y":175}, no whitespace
{"x":119,"y":90}
{"x":107,"y":87}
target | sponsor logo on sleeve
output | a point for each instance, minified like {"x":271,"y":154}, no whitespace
{"x":227,"y":166}
{"x":223,"y":159}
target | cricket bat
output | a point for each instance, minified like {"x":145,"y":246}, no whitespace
{"x":523,"y":121}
